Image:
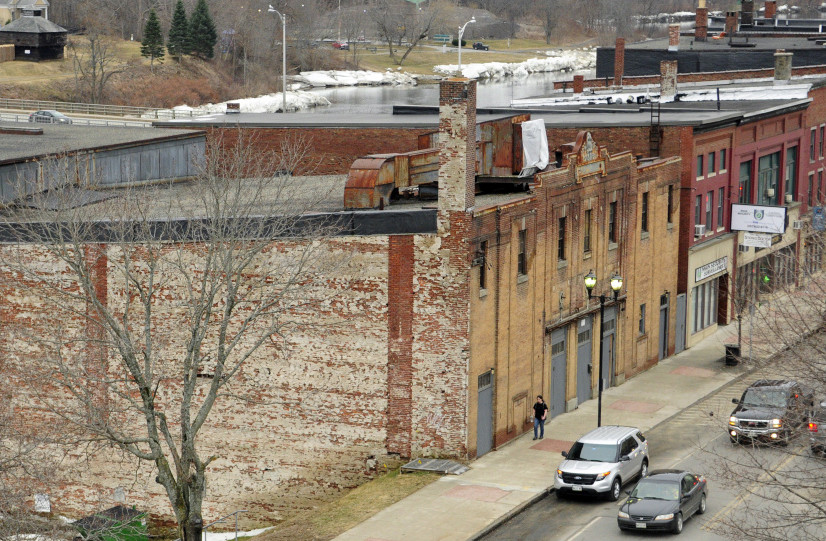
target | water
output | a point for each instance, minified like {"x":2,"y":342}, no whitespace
{"x":380,"y":99}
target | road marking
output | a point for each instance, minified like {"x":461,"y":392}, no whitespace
{"x":581,"y":530}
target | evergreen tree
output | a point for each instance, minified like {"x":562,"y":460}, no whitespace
{"x":152,"y":44}
{"x":202,"y":33}
{"x":178,"y":43}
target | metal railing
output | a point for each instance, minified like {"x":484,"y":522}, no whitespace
{"x":95,"y":109}
{"x":203,"y":537}
{"x":23,"y":117}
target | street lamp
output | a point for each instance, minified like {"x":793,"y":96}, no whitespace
{"x":616,"y":285}
{"x":283,"y":57}
{"x":461,"y":32}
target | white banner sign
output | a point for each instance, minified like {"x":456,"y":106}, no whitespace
{"x":710,"y":269}
{"x":758,"y":240}
{"x":758,"y":219}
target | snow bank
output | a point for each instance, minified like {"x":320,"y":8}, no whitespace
{"x":354,"y":78}
{"x":268,"y":103}
{"x":568,"y":60}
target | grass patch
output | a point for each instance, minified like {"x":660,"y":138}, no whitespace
{"x":332,"y":519}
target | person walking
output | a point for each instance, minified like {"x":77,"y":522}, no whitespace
{"x":540,"y":413}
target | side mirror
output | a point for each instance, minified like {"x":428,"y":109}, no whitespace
{"x":625,"y":458}
{"x":565,"y":454}
{"x":735,"y":400}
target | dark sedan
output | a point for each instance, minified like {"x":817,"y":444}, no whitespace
{"x":663,"y":501}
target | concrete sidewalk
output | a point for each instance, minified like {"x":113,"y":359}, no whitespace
{"x":503,"y":482}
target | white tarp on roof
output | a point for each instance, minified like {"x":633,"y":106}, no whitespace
{"x":534,"y":147}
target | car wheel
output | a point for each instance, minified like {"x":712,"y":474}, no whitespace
{"x":559,"y":495}
{"x":644,"y":469}
{"x":614,"y":493}
{"x":678,"y":524}
{"x":702,"y":508}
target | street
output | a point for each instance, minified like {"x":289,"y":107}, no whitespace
{"x":694,"y":439}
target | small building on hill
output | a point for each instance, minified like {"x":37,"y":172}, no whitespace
{"x":15,"y":9}
{"x":34,"y":38}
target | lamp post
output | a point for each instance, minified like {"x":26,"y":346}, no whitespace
{"x":283,"y":57}
{"x":461,"y":32}
{"x":616,"y":286}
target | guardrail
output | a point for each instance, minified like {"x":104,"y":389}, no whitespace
{"x":94,"y":109}
{"x":80,"y":121}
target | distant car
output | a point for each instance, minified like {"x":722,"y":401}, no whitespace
{"x":479,"y":46}
{"x":341,"y":45}
{"x":664,"y":501}
{"x":817,"y":429}
{"x":770,"y":410}
{"x":601,"y":461}
{"x":49,"y":117}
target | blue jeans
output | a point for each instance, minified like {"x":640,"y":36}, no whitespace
{"x":539,"y":423}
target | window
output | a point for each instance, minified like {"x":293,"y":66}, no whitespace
{"x":745,"y":183}
{"x":704,"y":301}
{"x":522,"y":259}
{"x":819,"y":187}
{"x":560,"y":252}
{"x":698,"y":210}
{"x":670,"y":208}
{"x":483,"y":253}
{"x":612,"y":222}
{"x":822,"y":133}
{"x":709,"y":210}
{"x":644,"y":215}
{"x":768,"y":174}
{"x":722,"y":159}
{"x":642,"y":319}
{"x":586,"y":235}
{"x":791,"y":171}
{"x":721,"y":195}
{"x":712,"y":162}
{"x":811,"y":188}
{"x":700,"y":166}
{"x":812,"y":140}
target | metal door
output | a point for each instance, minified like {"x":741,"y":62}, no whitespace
{"x":679,"y":336}
{"x":583,"y":360}
{"x":663,"y":326}
{"x":608,"y":333}
{"x":559,"y":371}
{"x":484,"y":418}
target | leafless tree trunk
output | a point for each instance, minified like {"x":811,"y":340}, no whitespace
{"x":402,"y":24}
{"x":94,"y":64}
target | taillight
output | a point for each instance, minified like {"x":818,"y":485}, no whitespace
{"x":812,"y":427}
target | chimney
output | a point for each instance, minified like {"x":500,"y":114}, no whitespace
{"x":731,"y":23}
{"x":579,"y":84}
{"x":747,"y":15}
{"x":619,"y":61}
{"x":771,"y":9}
{"x":668,"y":79}
{"x":782,"y":67}
{"x":701,"y":22}
{"x":457,"y":145}
{"x":673,"y":37}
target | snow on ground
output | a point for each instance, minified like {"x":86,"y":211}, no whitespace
{"x":561,"y":60}
{"x":354,"y":78}
{"x":268,"y":103}
{"x":226,"y":536}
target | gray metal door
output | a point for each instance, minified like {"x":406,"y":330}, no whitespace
{"x":679,"y":333}
{"x":559,"y":371}
{"x":663,"y":326}
{"x":484,"y":417}
{"x":583,"y":360}
{"x":608,"y":333}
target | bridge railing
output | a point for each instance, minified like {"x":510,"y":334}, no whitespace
{"x":95,"y":109}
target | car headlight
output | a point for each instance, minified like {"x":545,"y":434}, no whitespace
{"x":559,"y":473}
{"x":732,"y":420}
{"x":777,"y":423}
{"x":602,"y":476}
{"x":669,"y":516}
{"x":622,"y":514}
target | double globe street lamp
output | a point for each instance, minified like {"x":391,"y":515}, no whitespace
{"x":616,"y":286}
{"x":283,"y":57}
{"x":461,"y":33}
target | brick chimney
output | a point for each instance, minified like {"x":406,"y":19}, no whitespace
{"x":771,"y":9}
{"x":701,"y":22}
{"x":782,"y":67}
{"x":668,"y":79}
{"x":619,"y":61}
{"x":673,"y":37}
{"x":731,"y":23}
{"x":747,"y":15}
{"x":457,"y":145}
{"x":579,"y":84}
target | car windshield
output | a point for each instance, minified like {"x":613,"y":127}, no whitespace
{"x":593,"y":452}
{"x":764,"y":397}
{"x":656,"y":490}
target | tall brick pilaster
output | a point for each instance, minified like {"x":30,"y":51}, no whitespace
{"x":619,"y":61}
{"x":400,"y":344}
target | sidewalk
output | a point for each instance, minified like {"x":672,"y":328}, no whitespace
{"x":503,"y":482}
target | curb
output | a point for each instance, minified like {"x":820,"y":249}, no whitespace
{"x":512,"y":513}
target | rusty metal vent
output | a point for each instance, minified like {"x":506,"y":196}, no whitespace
{"x":435,"y":465}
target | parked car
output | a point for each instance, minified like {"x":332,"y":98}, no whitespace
{"x":817,"y":428}
{"x":341,"y":45}
{"x":602,"y":461}
{"x":770,"y":410}
{"x":479,"y":46}
{"x":664,"y":501}
{"x":49,"y":117}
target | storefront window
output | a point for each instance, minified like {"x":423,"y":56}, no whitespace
{"x":745,"y":183}
{"x":704,"y":299}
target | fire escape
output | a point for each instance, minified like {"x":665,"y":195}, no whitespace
{"x":655,"y":132}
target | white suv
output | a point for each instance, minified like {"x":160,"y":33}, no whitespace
{"x":602,"y":461}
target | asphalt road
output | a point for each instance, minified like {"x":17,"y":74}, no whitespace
{"x":694,"y":439}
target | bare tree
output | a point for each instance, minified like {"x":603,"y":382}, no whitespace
{"x":402,"y":24}
{"x":154,"y":301}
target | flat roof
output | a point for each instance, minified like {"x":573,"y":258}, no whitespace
{"x":761,"y":43}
